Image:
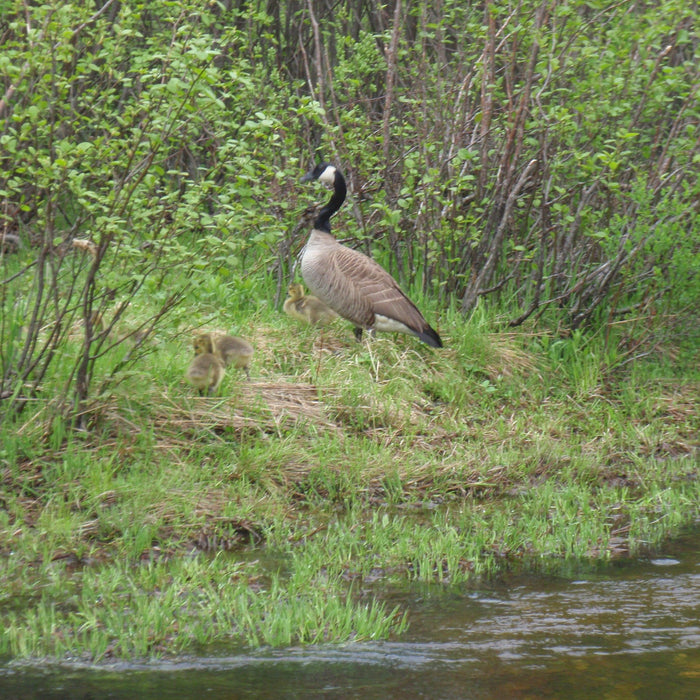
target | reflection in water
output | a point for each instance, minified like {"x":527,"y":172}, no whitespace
{"x":630,"y":632}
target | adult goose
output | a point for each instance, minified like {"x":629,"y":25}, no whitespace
{"x":353,"y":285}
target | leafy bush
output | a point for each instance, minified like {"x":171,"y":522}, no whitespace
{"x":543,"y":155}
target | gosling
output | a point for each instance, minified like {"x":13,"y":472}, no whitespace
{"x":307,"y":308}
{"x":230,"y":349}
{"x":205,"y":373}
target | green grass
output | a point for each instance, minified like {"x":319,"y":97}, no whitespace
{"x":137,"y":611}
{"x":281,"y":511}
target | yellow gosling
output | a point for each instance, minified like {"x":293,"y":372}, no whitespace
{"x":231,"y":350}
{"x":307,"y":308}
{"x":205,"y":373}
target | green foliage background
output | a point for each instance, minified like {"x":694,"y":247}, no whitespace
{"x":541,"y":156}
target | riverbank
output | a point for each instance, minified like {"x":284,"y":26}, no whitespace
{"x":280,"y":511}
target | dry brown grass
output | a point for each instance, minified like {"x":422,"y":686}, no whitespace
{"x":506,"y":357}
{"x":257,"y":407}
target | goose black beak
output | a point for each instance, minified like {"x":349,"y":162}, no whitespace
{"x":308,"y":176}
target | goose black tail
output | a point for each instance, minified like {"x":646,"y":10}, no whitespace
{"x":430,"y":337}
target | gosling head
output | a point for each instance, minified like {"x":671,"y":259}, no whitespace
{"x":295,"y":291}
{"x":202,"y":343}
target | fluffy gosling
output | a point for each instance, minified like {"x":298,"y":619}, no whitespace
{"x":231,"y":350}
{"x":205,"y":373}
{"x":306,"y":307}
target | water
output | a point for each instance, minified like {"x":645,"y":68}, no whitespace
{"x":630,"y":630}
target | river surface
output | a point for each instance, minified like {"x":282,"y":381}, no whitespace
{"x":630,"y":629}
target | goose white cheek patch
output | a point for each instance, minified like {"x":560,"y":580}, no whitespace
{"x":327,"y":177}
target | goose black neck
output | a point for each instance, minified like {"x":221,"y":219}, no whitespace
{"x":323,"y":220}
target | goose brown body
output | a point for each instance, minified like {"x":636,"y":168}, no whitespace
{"x":352,"y":284}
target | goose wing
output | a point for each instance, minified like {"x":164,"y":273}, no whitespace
{"x":365,"y":289}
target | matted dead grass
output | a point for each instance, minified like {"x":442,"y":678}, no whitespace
{"x":257,"y":407}
{"x":506,"y":358}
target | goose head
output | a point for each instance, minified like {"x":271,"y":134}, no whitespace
{"x":325,"y":173}
{"x":332,"y":178}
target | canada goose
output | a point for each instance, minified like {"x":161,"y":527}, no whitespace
{"x":306,"y":307}
{"x":231,"y":350}
{"x":205,"y":372}
{"x":353,"y":285}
